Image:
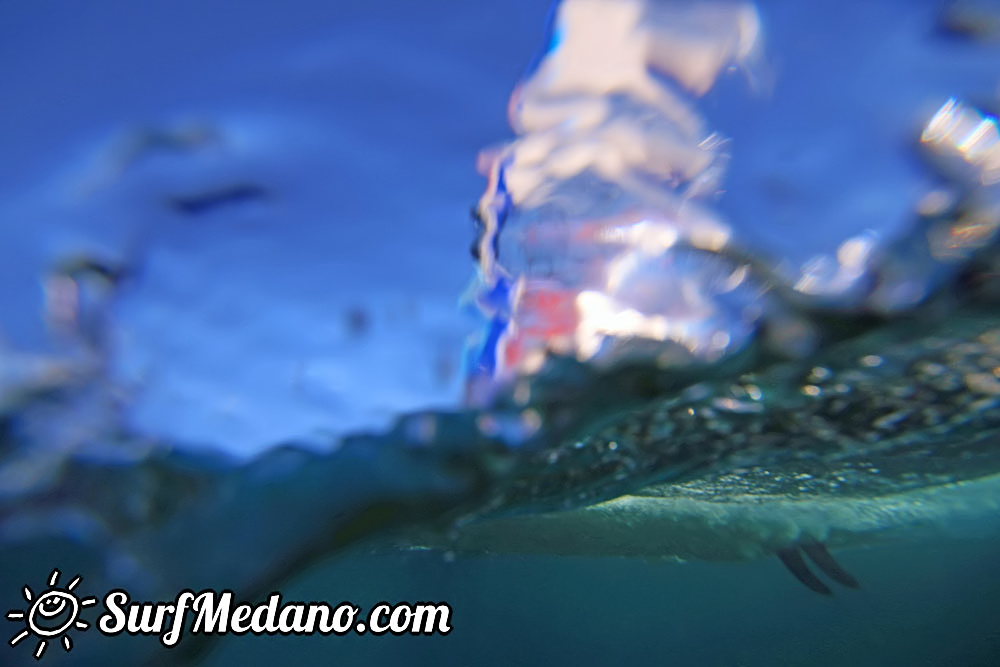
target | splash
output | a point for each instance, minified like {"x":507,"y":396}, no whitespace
{"x":597,"y":233}
{"x":607,"y":231}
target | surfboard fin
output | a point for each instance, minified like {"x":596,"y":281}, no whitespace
{"x":792,"y":559}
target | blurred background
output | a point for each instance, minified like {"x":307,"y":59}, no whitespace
{"x":287,"y":185}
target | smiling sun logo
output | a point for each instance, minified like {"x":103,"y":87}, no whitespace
{"x":51,"y":614}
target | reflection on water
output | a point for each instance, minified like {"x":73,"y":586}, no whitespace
{"x":737,"y":271}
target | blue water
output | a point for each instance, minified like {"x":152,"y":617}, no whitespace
{"x":285,"y":189}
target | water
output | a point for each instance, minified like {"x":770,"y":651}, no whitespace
{"x":222,"y":262}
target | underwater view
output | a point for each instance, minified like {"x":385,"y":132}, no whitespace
{"x":536,"y":332}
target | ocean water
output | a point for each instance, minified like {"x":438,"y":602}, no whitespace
{"x":233,"y":352}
